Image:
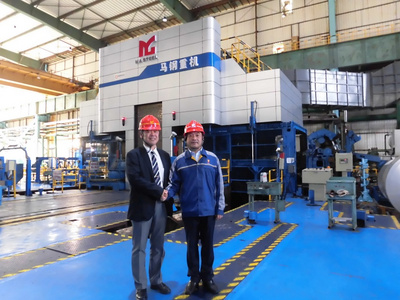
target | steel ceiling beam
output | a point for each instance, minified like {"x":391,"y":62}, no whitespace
{"x":39,"y":81}
{"x":127,"y":13}
{"x":56,"y":24}
{"x":179,"y":10}
{"x":86,"y":6}
{"x":21,"y":59}
{"x":29,"y":88}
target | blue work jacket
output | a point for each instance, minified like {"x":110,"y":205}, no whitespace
{"x":199,"y":184}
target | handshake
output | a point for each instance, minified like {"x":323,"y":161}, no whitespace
{"x":164,"y":195}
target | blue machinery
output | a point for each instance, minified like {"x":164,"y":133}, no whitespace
{"x":234,"y":143}
{"x":99,"y":165}
{"x":103,"y":162}
{"x":279,"y":148}
{"x":114,"y":178}
{"x":282,"y":149}
{"x":321,"y":152}
{"x":252,"y":149}
{"x":44,"y":166}
{"x":364,"y":181}
{"x":322,"y":147}
{"x":9,"y":178}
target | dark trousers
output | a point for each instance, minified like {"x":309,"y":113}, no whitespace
{"x":200,"y":229}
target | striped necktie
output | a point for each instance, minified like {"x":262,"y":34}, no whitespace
{"x":154,"y":165}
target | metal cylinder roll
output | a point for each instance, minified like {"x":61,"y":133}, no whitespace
{"x":388,"y":182}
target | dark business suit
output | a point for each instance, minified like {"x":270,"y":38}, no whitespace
{"x":147,"y":213}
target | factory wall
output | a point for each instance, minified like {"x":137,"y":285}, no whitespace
{"x":84,"y":68}
{"x":261,"y":25}
{"x":374,"y":134}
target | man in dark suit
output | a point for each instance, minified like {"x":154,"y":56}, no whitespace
{"x":147,"y":169}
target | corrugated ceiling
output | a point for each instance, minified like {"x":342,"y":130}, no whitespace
{"x":35,"y":33}
{"x":51,"y":30}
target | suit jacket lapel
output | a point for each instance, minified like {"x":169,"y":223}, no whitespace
{"x":145,"y":157}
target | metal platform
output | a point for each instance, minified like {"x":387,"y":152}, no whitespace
{"x":24,"y":262}
{"x":24,"y":208}
{"x":100,"y":221}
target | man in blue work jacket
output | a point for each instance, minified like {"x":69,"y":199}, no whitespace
{"x":196,"y":176}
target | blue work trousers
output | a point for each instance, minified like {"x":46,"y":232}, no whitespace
{"x":200,"y":229}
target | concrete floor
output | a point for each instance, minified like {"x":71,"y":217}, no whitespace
{"x":71,"y":252}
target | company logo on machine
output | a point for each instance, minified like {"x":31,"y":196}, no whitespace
{"x":203,"y":60}
{"x":147,"y":49}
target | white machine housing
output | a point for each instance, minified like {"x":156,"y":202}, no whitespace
{"x":388,"y":181}
{"x":181,"y":68}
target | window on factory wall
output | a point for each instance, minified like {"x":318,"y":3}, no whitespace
{"x":60,"y":138}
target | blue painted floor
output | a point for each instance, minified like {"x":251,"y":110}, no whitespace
{"x":299,"y":258}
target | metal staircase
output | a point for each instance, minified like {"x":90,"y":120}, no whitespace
{"x":245,"y":56}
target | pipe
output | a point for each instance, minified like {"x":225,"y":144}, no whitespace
{"x":332,"y":21}
{"x":253,"y":109}
{"x":372,"y":118}
{"x":398,"y":114}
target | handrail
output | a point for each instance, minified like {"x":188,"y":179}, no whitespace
{"x":227,"y":168}
{"x":270,"y":179}
{"x":324,"y":39}
{"x":64,"y":175}
{"x":244,"y":55}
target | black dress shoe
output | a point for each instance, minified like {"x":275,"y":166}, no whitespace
{"x":210,"y":286}
{"x":141,"y":294}
{"x":191,"y":287}
{"x":161,"y":287}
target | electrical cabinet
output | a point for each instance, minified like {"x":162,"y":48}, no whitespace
{"x":317,"y":178}
{"x":344,"y":162}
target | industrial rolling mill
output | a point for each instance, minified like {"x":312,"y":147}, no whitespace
{"x":269,"y":161}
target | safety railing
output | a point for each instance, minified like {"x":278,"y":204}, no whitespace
{"x":94,"y":171}
{"x":297,"y":43}
{"x":244,"y":55}
{"x":225,"y":168}
{"x":271,"y":178}
{"x":63,"y":177}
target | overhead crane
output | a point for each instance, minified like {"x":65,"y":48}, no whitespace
{"x":40,"y":81}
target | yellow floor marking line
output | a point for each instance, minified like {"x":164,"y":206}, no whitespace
{"x":255,"y":257}
{"x":59,"y":259}
{"x":242,"y":275}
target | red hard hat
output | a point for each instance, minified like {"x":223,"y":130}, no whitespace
{"x":149,"y":122}
{"x":193,"y":126}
